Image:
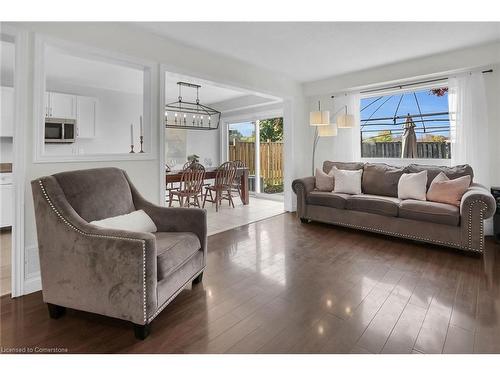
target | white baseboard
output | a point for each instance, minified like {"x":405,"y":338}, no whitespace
{"x":33,"y":283}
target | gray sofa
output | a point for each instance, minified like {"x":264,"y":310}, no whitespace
{"x":121,"y":274}
{"x":379,"y":210}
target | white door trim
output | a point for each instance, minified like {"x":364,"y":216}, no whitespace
{"x":18,"y":160}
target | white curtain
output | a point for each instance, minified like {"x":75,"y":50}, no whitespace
{"x":353,"y":109}
{"x":469,"y":124}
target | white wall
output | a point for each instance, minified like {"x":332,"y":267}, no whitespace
{"x":5,"y":149}
{"x":128,"y":41}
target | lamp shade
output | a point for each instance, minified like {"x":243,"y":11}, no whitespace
{"x":328,"y":131}
{"x":345,"y":121}
{"x":319,"y":118}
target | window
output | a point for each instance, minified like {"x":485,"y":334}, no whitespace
{"x":410,"y":124}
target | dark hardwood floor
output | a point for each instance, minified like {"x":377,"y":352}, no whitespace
{"x":279,"y":286}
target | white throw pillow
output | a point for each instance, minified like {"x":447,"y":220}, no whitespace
{"x":348,"y":182}
{"x":324,"y":182}
{"x":413,"y":186}
{"x":137,"y":221}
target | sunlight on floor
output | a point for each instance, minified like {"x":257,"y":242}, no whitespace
{"x":228,"y":217}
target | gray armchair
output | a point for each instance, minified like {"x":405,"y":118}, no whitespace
{"x":121,"y":274}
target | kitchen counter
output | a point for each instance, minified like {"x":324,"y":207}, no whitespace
{"x":5,"y":167}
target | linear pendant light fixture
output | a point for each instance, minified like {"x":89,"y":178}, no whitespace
{"x":188,"y":115}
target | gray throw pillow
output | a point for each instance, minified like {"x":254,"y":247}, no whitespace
{"x":324,"y":182}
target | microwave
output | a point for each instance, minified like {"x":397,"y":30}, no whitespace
{"x":60,"y":130}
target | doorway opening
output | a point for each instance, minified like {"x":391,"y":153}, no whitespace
{"x":7,"y":47}
{"x":259,"y":145}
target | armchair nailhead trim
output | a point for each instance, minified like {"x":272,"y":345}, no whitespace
{"x":104,"y":236}
{"x":457,"y":245}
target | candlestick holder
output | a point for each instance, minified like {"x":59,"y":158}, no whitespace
{"x":132,"y":149}
{"x":141,"y":140}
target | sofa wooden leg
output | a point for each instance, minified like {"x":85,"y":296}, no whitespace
{"x":142,"y":331}
{"x":198,"y":279}
{"x":55,"y":311}
{"x":303,"y":220}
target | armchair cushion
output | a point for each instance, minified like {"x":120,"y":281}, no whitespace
{"x":174,"y":249}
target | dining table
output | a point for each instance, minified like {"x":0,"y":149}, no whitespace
{"x":242,"y":173}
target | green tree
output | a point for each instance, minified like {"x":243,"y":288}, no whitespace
{"x":383,"y":136}
{"x":234,"y":134}
{"x":271,"y":130}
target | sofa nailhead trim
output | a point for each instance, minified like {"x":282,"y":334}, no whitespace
{"x":105,"y":236}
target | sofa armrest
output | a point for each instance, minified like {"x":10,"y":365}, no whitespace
{"x":301,"y":187}
{"x":477,"y":205}
{"x":104,"y":271}
{"x":478,"y":194}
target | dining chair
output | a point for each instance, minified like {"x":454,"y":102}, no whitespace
{"x":222,"y":186}
{"x":236,"y":185}
{"x":191,"y":185}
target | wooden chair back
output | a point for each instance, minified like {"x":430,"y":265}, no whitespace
{"x":225,"y":174}
{"x":238,"y":164}
{"x":192,"y":178}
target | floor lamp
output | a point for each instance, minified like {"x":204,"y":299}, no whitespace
{"x":323,"y":131}
{"x":318,"y":119}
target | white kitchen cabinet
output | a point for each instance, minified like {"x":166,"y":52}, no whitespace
{"x":6,"y":200}
{"x":86,"y":108}
{"x":60,"y":105}
{"x":7,"y":112}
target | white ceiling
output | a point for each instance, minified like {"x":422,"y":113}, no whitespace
{"x":307,"y":51}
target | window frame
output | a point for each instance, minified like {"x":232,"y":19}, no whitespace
{"x":413,"y":88}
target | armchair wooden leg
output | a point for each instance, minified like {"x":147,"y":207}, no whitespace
{"x":142,"y":331}
{"x":198,"y":279}
{"x":56,"y":311}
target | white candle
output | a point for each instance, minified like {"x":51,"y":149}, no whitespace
{"x":131,"y":134}
{"x":140,"y":120}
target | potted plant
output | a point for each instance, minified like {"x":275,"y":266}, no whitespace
{"x":193,"y":158}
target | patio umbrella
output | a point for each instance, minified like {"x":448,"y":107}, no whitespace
{"x":409,"y":140}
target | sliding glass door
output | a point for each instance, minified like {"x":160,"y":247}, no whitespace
{"x":259,"y":145}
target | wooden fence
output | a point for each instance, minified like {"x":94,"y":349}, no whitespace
{"x":271,"y":159}
{"x":425,"y":150}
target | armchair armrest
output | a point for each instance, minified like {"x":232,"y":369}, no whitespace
{"x":477,"y":205}
{"x":174,"y":219}
{"x":301,"y":187}
{"x":104,"y":271}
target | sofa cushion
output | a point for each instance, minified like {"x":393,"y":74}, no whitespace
{"x":381,"y":179}
{"x":328,"y":199}
{"x":173,"y":249}
{"x":433,"y":171}
{"x":440,"y":213}
{"x":375,"y":204}
{"x":347,"y":166}
{"x":347,"y":182}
